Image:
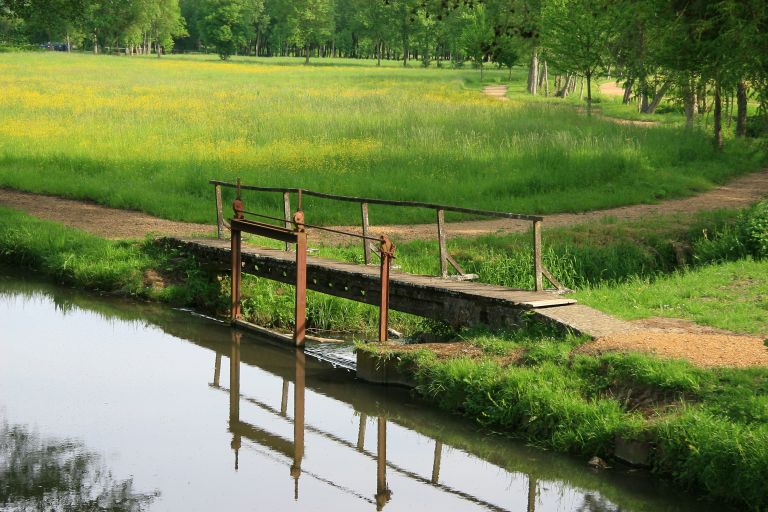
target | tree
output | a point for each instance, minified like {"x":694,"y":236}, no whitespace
{"x":576,"y":34}
{"x":227,"y":24}
{"x":311,"y":23}
{"x":477,"y":36}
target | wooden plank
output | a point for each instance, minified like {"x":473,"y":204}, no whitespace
{"x":366,"y":246}
{"x":537,"y":264}
{"x":287,"y":216}
{"x":442,"y":243}
{"x":219,"y":213}
{"x":267,"y":230}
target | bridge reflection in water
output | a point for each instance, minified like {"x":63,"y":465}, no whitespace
{"x":293,"y":450}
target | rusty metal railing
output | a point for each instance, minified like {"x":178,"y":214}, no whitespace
{"x":294,"y":234}
{"x":540,"y":272}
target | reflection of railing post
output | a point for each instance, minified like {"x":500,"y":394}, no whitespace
{"x":383,"y":494}
{"x":436,"y":462}
{"x":217,"y":370}
{"x":361,"y":432}
{"x":234,"y":393}
{"x":284,"y":399}
{"x":298,"y":420}
{"x":387,"y":253}
{"x":531,"y":494}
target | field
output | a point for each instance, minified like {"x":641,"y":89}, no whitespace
{"x":148,"y":134}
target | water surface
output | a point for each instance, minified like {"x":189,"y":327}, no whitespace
{"x":140,"y":407}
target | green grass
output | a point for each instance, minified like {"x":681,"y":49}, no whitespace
{"x":731,"y":296}
{"x":148,"y":133}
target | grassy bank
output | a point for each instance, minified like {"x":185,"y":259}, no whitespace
{"x":76,"y":125}
{"x":709,"y":427}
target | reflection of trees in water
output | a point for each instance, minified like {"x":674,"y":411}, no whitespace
{"x":49,"y":474}
{"x":596,"y":503}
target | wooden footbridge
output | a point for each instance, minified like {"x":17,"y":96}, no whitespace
{"x":455,"y":299}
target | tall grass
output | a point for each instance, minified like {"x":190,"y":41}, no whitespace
{"x":148,"y":133}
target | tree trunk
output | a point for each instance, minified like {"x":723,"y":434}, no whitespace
{"x":581,"y":89}
{"x":533,"y":71}
{"x":546,"y":78}
{"x":657,"y":98}
{"x":306,"y":53}
{"x":378,"y":52}
{"x":741,"y":109}
{"x":689,"y":100}
{"x":627,"y":91}
{"x":589,"y":93}
{"x":69,"y":44}
{"x":95,"y":44}
{"x":718,"y":118}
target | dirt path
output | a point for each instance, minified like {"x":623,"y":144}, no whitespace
{"x":115,"y":224}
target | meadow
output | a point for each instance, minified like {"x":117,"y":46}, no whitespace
{"x":148,"y":133}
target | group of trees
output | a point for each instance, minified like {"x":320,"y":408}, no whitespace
{"x":706,"y":54}
{"x":136,"y":26}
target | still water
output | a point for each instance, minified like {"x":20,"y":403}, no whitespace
{"x":111,"y":405}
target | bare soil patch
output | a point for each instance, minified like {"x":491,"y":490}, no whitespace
{"x":451,"y":350}
{"x":702,"y":349}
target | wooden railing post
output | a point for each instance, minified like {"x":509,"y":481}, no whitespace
{"x":236,"y":274}
{"x":287,"y":215}
{"x":219,"y":213}
{"x":366,"y":246}
{"x":441,"y":241}
{"x":387,"y":253}
{"x":537,"y":264}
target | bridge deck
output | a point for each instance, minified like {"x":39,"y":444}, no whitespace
{"x":456,"y":302}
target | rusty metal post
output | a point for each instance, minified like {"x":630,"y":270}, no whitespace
{"x":236,"y":274}
{"x":366,"y":247}
{"x":387,"y":253}
{"x":287,"y":215}
{"x":537,"y":264}
{"x":442,"y":244}
{"x":298,"y":419}
{"x":219,"y":213}
{"x":301,"y":280}
{"x":531,"y":494}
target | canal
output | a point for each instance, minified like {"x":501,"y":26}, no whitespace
{"x":107,"y":404}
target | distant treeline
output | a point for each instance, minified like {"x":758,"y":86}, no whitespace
{"x":706,"y":54}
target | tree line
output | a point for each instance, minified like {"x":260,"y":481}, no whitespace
{"x":706,"y":55}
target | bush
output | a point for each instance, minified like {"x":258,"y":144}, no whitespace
{"x":753,"y":225}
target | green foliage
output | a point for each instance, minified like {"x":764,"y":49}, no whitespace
{"x":227,"y":25}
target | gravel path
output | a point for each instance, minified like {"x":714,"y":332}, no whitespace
{"x":115,"y":224}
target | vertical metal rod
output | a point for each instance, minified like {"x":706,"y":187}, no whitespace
{"x":384,"y":304}
{"x":361,"y":432}
{"x":217,"y":370}
{"x":284,"y":399}
{"x":298,"y":419}
{"x":366,"y":246}
{"x":236,"y":274}
{"x":301,"y":287}
{"x":436,"y":462}
{"x":442,"y":244}
{"x":287,"y":215}
{"x":219,"y":213}
{"x":537,"y":264}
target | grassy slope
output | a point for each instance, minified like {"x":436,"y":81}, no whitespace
{"x":147,"y":133}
